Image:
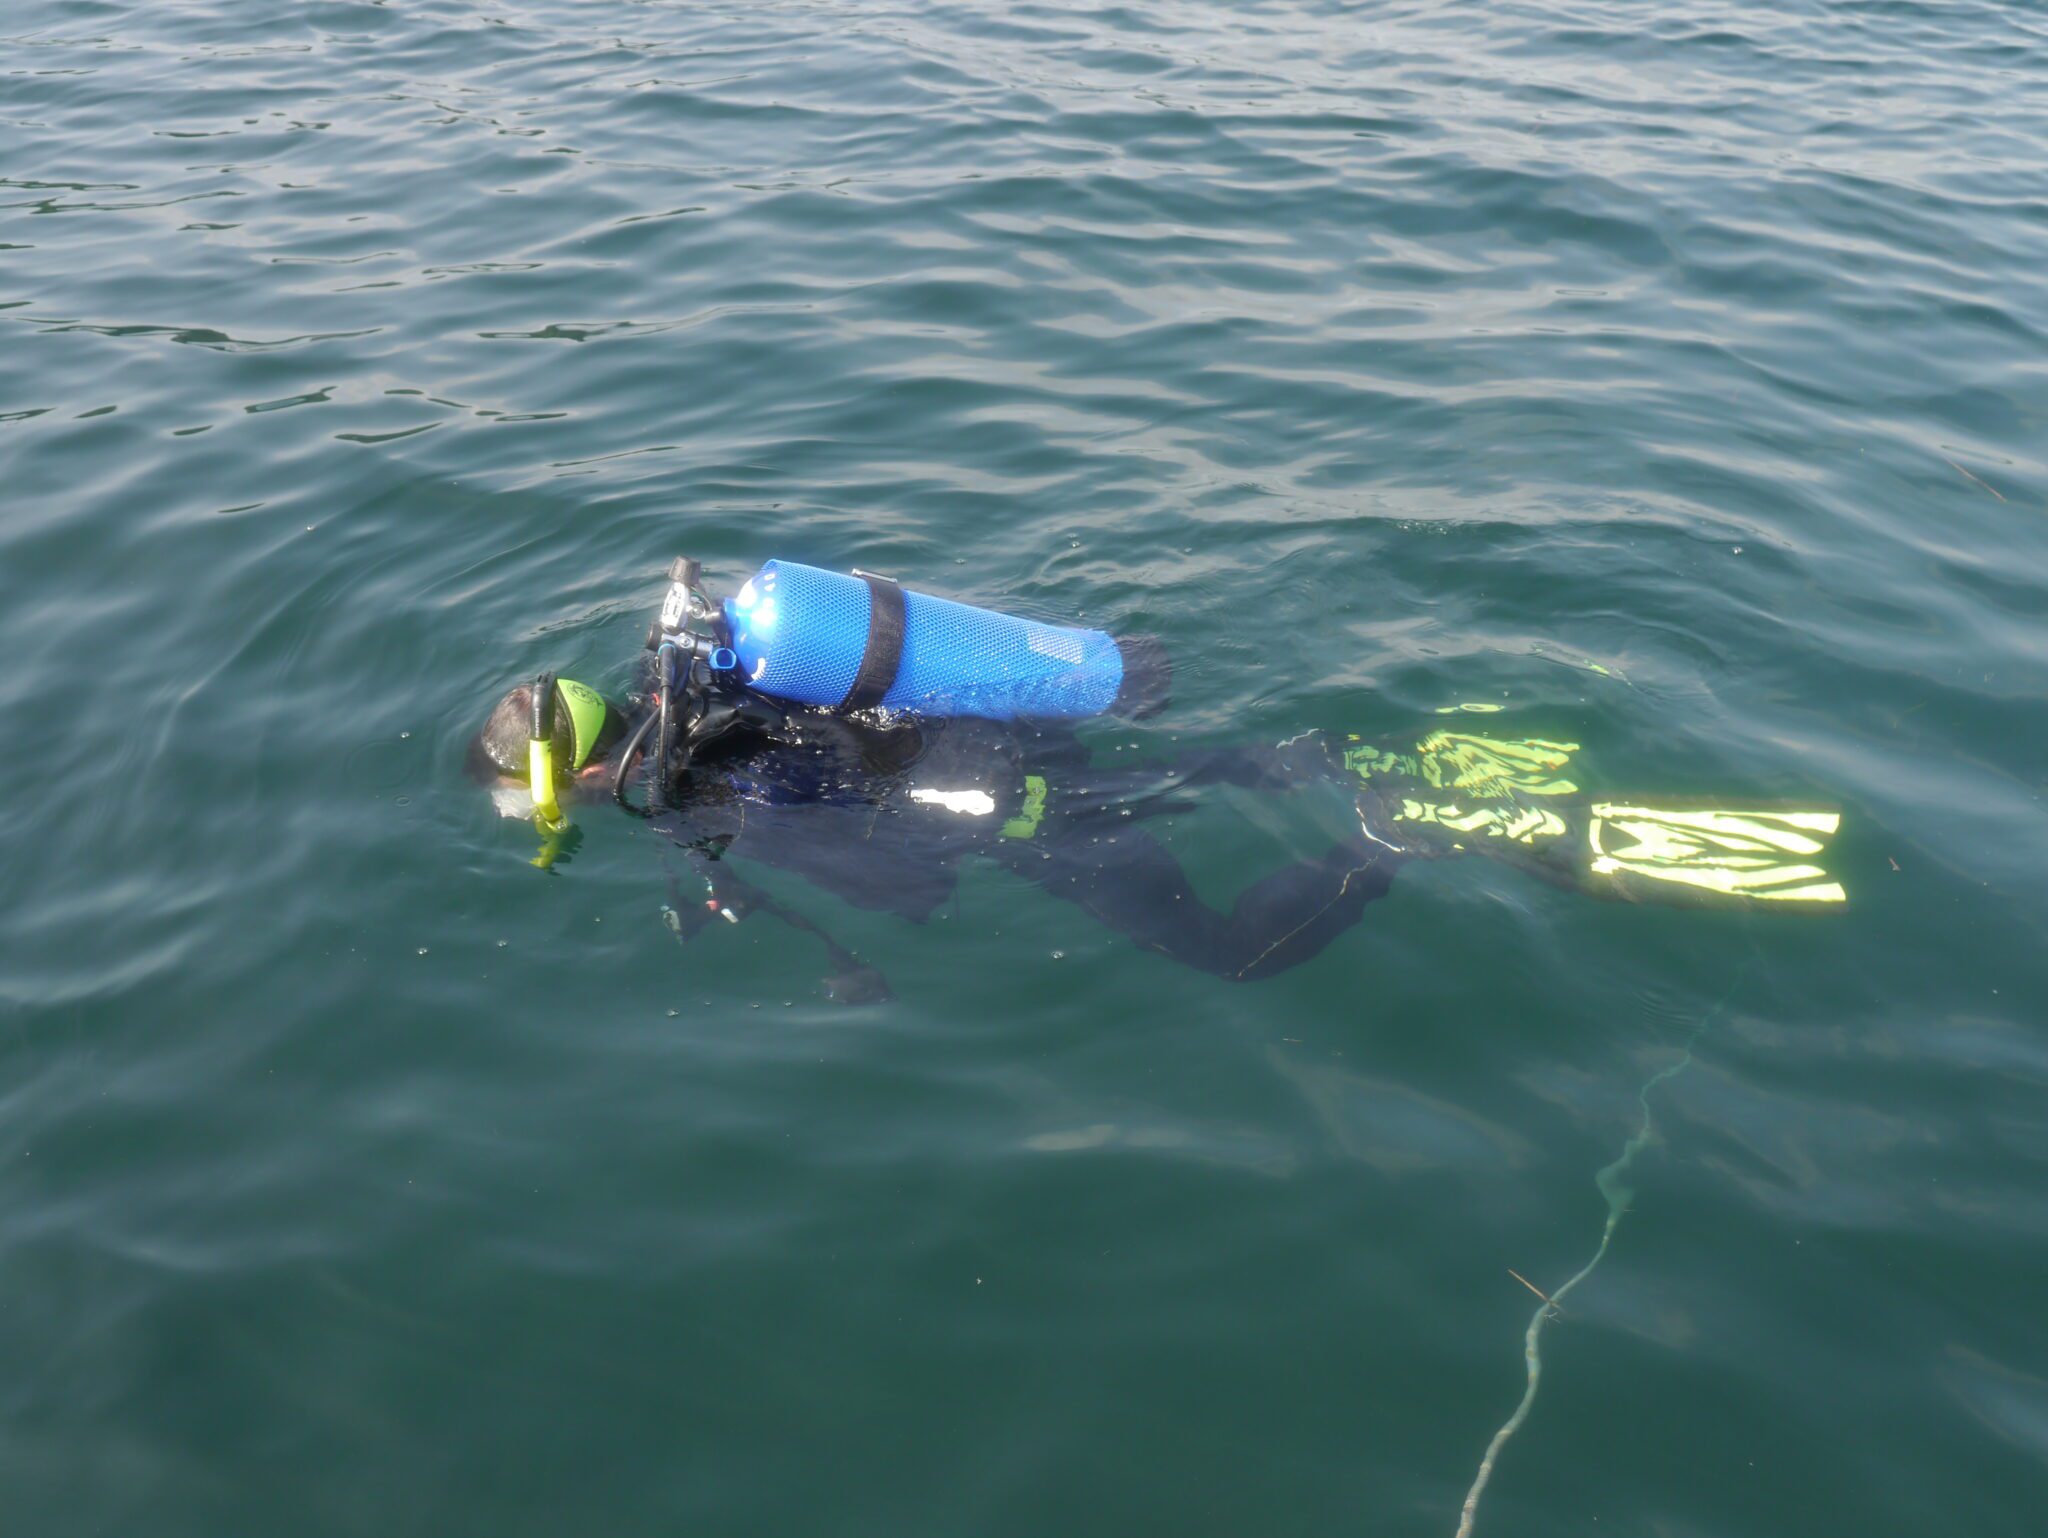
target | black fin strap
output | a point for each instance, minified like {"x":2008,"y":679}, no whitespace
{"x":884,"y":651}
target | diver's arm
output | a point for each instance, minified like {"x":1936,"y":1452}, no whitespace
{"x":728,"y":898}
{"x":742,"y":712}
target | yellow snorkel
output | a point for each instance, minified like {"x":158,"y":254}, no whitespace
{"x":540,"y":760}
{"x":588,"y":718}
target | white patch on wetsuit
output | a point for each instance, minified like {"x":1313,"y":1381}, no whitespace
{"x":969,"y":803}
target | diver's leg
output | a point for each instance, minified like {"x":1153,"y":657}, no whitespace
{"x":1517,"y":800}
{"x":1131,"y":882}
{"x":1298,"y":761}
{"x":1150,"y":790}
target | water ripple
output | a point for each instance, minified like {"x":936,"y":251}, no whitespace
{"x":1673,"y":380}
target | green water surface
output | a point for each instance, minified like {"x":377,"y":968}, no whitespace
{"x":1671,"y":377}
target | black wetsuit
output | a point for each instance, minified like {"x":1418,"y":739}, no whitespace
{"x":882,"y":819}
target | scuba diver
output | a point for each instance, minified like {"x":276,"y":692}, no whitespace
{"x":868,"y":739}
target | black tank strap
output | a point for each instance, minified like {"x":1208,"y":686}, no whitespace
{"x":884,"y":651}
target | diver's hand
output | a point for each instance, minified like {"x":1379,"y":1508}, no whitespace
{"x":858,"y":984}
{"x":731,"y":899}
{"x":686,"y":920}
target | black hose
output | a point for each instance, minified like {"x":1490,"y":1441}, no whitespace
{"x":664,"y":732}
{"x":626,"y":756}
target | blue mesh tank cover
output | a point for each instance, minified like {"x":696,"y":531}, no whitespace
{"x":817,"y":637}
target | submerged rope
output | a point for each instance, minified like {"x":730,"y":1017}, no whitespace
{"x":1618,"y":1195}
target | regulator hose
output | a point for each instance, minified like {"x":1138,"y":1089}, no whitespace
{"x":664,"y":730}
{"x":627,"y":754}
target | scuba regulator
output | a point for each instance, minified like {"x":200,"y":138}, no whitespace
{"x":698,"y":691}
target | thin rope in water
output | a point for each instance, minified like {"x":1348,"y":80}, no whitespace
{"x":1618,"y":1195}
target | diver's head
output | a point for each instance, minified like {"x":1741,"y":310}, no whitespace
{"x":586,"y":728}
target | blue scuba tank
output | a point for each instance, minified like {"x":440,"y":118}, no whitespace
{"x":818,"y":637}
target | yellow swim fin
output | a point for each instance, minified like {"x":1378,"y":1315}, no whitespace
{"x":1495,"y":768}
{"x":1488,"y":768}
{"x":1760,"y":856}
{"x":1480,"y":783}
{"x":1498,"y":820}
